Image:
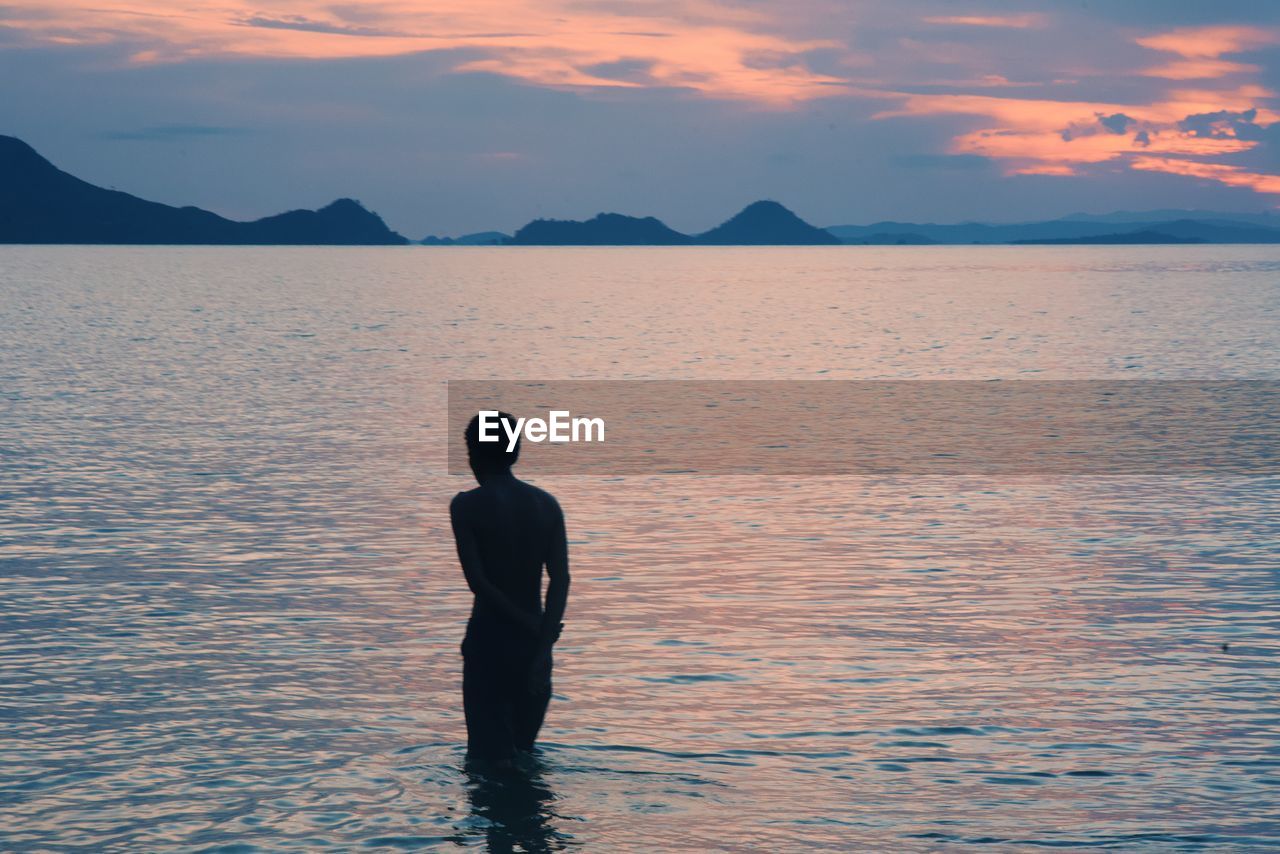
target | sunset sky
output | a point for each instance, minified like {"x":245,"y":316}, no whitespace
{"x":460,"y":115}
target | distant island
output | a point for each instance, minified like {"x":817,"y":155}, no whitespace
{"x":1127,"y":238}
{"x":1117,"y":228}
{"x":763,"y":223}
{"x":768,"y":223}
{"x":479,"y":238}
{"x":606,"y":229}
{"x":40,"y":203}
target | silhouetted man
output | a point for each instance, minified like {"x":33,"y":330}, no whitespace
{"x":506,"y":531}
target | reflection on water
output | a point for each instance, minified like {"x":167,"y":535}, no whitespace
{"x":514,"y":808}
{"x":231,"y":610}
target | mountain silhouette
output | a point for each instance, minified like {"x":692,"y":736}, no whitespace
{"x":897,"y":238}
{"x":1075,"y":229}
{"x":1202,"y":231}
{"x":758,"y":224}
{"x":1265,"y":219}
{"x":40,"y":203}
{"x":479,"y":238}
{"x":766,"y":223}
{"x":606,"y":229}
{"x":1124,"y":238}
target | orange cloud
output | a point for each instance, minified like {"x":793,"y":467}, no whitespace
{"x":1052,"y":149}
{"x":1047,"y":137}
{"x":1210,"y":42}
{"x":1043,"y":169}
{"x":697,"y":44}
{"x":1050,"y":115}
{"x":1199,"y":69}
{"x":1201,"y":49}
{"x":1234,"y":176}
{"x":1180,"y":103}
{"x":1022,"y":113}
{"x":1019,"y":22}
{"x":714,"y":62}
{"x":760,"y":53}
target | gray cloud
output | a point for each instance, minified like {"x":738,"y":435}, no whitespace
{"x":310,"y":25}
{"x":304,"y":24}
{"x":632,"y":70}
{"x":163,"y":133}
{"x":1222,"y":124}
{"x":1117,"y":123}
{"x":366,"y":13}
{"x":818,"y":60}
{"x":964,"y":162}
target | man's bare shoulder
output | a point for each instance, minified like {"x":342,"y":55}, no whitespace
{"x":537,"y":490}
{"x":543,"y":497}
{"x":464,"y":502}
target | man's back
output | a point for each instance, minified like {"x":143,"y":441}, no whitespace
{"x":514,"y":526}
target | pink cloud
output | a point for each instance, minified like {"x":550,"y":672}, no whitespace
{"x":1234,"y":176}
{"x":1210,"y":42}
{"x":770,"y":54}
{"x":1019,"y":22}
{"x":1047,"y":136}
{"x":1043,"y":169}
{"x":1200,"y":49}
{"x":705,"y":46}
{"x":1199,"y":69}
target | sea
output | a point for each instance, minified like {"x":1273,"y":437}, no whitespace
{"x":230,"y":605}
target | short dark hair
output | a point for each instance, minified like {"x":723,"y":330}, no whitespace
{"x":492,"y":455}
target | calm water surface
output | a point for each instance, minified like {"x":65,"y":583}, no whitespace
{"x":230,"y":608}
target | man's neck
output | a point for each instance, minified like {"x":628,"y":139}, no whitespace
{"x":496,"y":476}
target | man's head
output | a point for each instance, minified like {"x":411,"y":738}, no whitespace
{"x":491,"y":457}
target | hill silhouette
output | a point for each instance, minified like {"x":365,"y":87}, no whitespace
{"x":40,"y":203}
{"x":1075,"y":229}
{"x":1265,"y":219}
{"x":1124,"y":238}
{"x":758,"y":224}
{"x":606,"y":229}
{"x":897,"y":238}
{"x":766,"y":223}
{"x":479,"y":238}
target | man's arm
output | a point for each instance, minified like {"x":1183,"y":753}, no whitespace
{"x":557,"y":582}
{"x":473,"y":569}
